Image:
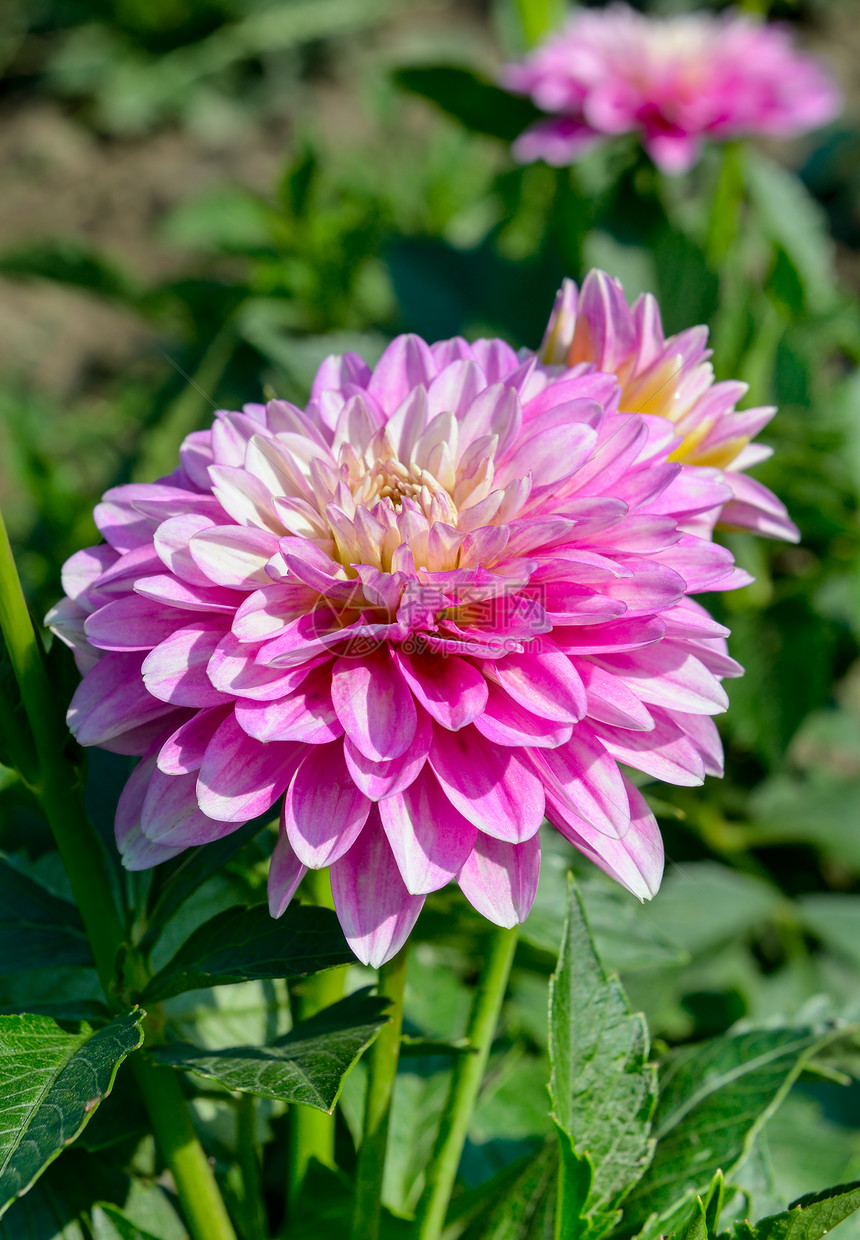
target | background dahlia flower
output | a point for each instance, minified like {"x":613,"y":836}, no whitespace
{"x":445,"y":600}
{"x":673,"y":80}
{"x":671,"y":378}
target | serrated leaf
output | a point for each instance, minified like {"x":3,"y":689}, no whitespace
{"x":477,"y":103}
{"x":602,"y":1087}
{"x":808,"y":1218}
{"x":307,"y":1065}
{"x":38,"y":929}
{"x":51,"y":1081}
{"x":243,"y":944}
{"x":714,"y":1099}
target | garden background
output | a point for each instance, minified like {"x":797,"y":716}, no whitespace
{"x":202,"y":200}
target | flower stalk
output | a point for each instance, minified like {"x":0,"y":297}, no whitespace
{"x":57,"y":784}
{"x":382,"y":1070}
{"x":312,"y":1131}
{"x":465,"y":1083}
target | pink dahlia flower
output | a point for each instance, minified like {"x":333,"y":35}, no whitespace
{"x":446,"y":599}
{"x":675,"y":81}
{"x":672,"y":379}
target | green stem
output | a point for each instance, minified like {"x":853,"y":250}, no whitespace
{"x":312,"y":1131}
{"x":726,"y":206}
{"x":465,"y":1084}
{"x":382,"y":1069}
{"x":256,"y":1225}
{"x":202,"y":1202}
{"x":59,"y":789}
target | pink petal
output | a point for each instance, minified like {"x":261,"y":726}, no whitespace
{"x":406,"y":363}
{"x":234,"y":556}
{"x":636,"y":861}
{"x":669,"y":675}
{"x":171,"y":542}
{"x":232,"y":669}
{"x":112,"y":699}
{"x":285,"y":874}
{"x":544,"y":681}
{"x":307,"y":715}
{"x":130,"y":623}
{"x":429,"y":838}
{"x":666,"y":752}
{"x":500,"y":880}
{"x":83,"y":569}
{"x":176,"y":670}
{"x":493,"y":788}
{"x":240,"y":778}
{"x":138,"y":852}
{"x":611,"y":701}
{"x":264,"y":613}
{"x":171,"y":815}
{"x":451,"y":690}
{"x":373,"y":906}
{"x":374,"y":704}
{"x":184,"y":749}
{"x":323,"y":810}
{"x":180,"y":594}
{"x":378,"y":780}
{"x":582,"y":775}
{"x":504,"y":722}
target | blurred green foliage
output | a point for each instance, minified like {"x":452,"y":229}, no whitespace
{"x":397,"y":208}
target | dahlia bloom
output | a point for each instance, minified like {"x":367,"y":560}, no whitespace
{"x":671,"y":379}
{"x":675,"y":81}
{"x":445,"y":600}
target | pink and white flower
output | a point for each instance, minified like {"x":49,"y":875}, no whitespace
{"x":443,"y":601}
{"x":675,"y":81}
{"x":670,"y":378}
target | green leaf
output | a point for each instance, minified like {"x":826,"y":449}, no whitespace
{"x":70,"y":262}
{"x":602,"y":1087}
{"x":109,"y":1223}
{"x":835,"y":920}
{"x":477,"y":103}
{"x":241,"y":944}
{"x":191,"y":871}
{"x":705,"y":905}
{"x":51,"y":1081}
{"x":808,"y":1218}
{"x":308,"y":1065}
{"x":38,"y":929}
{"x":714,"y":1099}
{"x":520,"y":1203}
{"x":792,"y":219}
{"x":696,"y":1227}
{"x":625,"y":940}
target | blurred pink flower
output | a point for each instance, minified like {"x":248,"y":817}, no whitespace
{"x":675,"y":81}
{"x":673,"y":379}
{"x":444,"y":600}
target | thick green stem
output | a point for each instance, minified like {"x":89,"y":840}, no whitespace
{"x":465,"y":1084}
{"x":254,"y":1209}
{"x":312,"y":1131}
{"x":58,"y":787}
{"x":202,"y":1202}
{"x":382,"y":1069}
